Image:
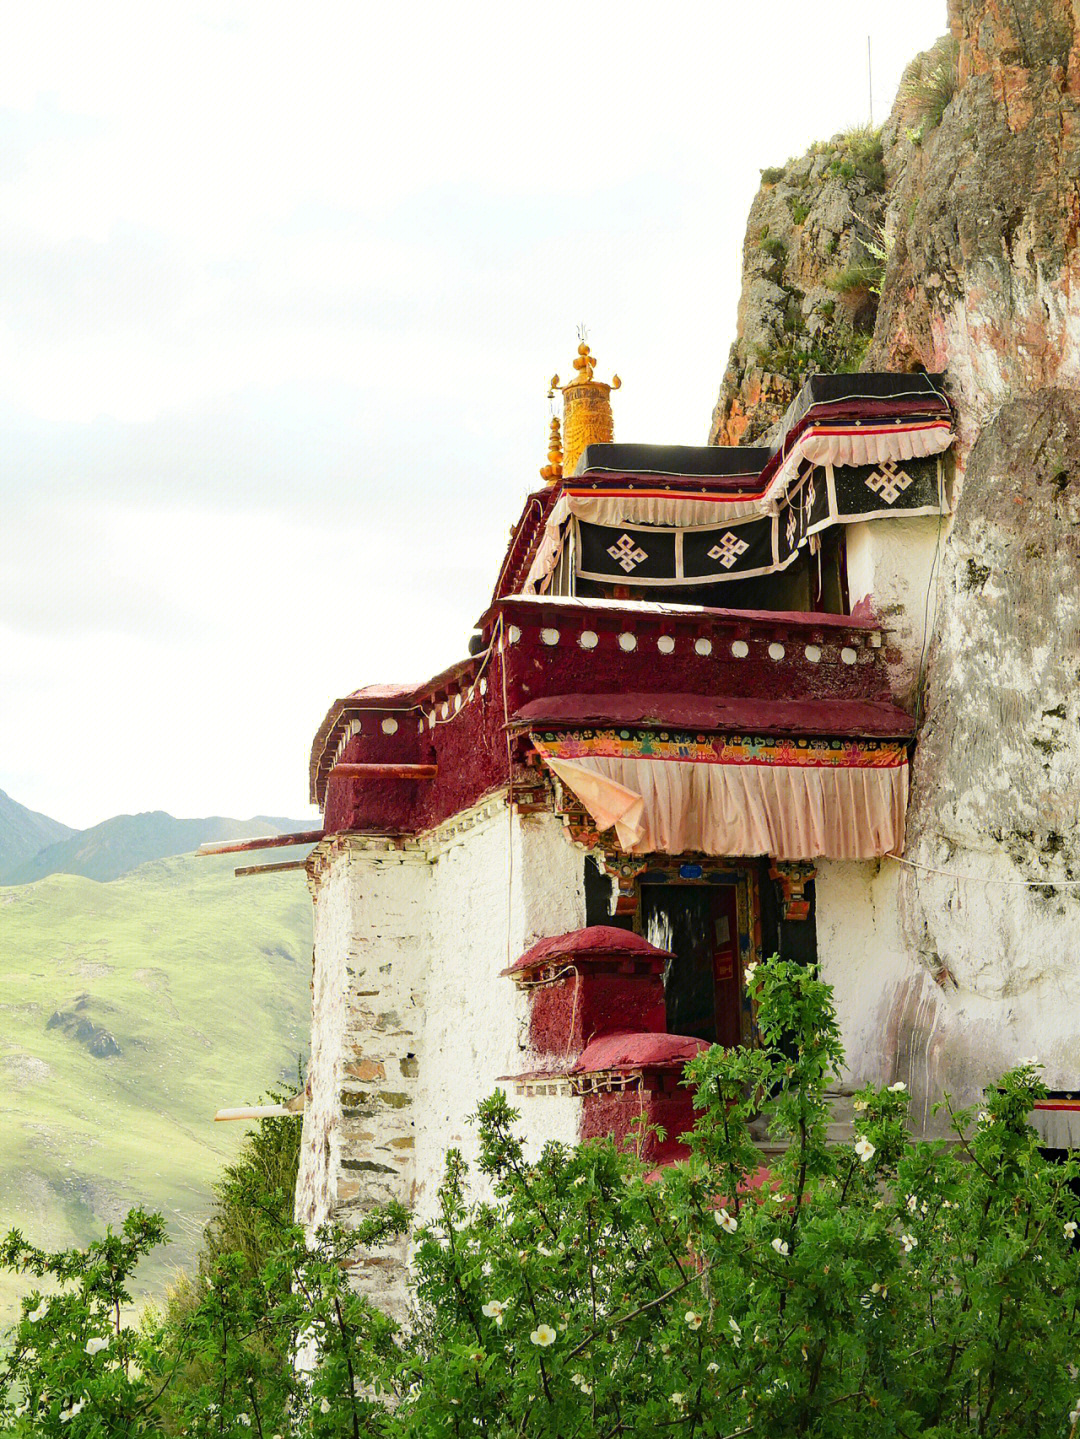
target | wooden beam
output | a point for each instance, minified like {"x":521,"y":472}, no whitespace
{"x":291,"y":1107}
{"x":384,"y":771}
{"x":257,"y":1111}
{"x":270,"y":868}
{"x":266,"y":841}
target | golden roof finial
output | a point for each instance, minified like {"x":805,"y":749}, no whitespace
{"x":552,"y":471}
{"x":587,"y":417}
{"x":584,"y":362}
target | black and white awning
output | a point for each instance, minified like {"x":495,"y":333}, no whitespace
{"x":699,"y":554}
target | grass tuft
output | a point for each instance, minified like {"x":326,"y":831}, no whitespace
{"x":930,"y":85}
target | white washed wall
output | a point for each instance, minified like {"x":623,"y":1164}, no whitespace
{"x":412,"y":1022}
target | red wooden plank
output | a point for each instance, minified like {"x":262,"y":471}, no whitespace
{"x":266,"y":841}
{"x":384,"y":771}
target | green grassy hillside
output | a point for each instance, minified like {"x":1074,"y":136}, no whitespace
{"x":200,"y":980}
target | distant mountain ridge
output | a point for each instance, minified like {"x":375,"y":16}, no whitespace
{"x":116,"y":846}
{"x":24,"y":833}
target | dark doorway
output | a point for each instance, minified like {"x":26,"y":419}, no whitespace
{"x":703,"y":983}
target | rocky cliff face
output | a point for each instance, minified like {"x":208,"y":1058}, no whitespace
{"x":811,"y":261}
{"x":981,"y":279}
{"x":981,"y":282}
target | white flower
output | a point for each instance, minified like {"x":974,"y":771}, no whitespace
{"x":1070,"y":1228}
{"x":909,"y":1242}
{"x":40,"y":1312}
{"x":679,"y":1400}
{"x":581,"y":1382}
{"x":494,"y":1310}
{"x":877,"y":1288}
{"x":95,"y":1346}
{"x":727,"y":1222}
{"x":1075,"y":1415}
{"x":324,"y":1406}
{"x":859,"y":1106}
{"x":898,"y":1088}
{"x":580,"y":1180}
{"x":781,"y":1246}
{"x":736,"y":1332}
{"x":864,"y":1149}
{"x":543,"y":1335}
{"x":245,"y":1420}
{"x":22,"y":1409}
{"x":749,"y":972}
{"x":73,"y":1408}
{"x":912,"y":1203}
{"x":693,"y":1320}
{"x":544,"y":1250}
{"x":713,"y":1368}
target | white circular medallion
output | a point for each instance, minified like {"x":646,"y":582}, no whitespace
{"x":513,"y":634}
{"x":587,"y":639}
{"x":483,"y":686}
{"x":457,"y":703}
{"x":776,"y":650}
{"x":627,"y":641}
{"x":665,"y":644}
{"x":703,"y":647}
{"x":389,"y":725}
{"x":849,"y":656}
{"x":740,"y":649}
{"x":549,"y":637}
{"x":813,"y":654}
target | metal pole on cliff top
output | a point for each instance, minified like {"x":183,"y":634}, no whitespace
{"x":870,"y":81}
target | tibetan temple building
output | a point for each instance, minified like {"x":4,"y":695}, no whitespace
{"x":680,"y":741}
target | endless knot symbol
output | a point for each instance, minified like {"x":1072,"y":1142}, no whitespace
{"x":889,"y":481}
{"x":728,"y":550}
{"x":628,"y":553}
{"x":790,"y":528}
{"x":811,"y":495}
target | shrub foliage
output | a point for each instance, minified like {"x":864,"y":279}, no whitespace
{"x":875,"y":1288}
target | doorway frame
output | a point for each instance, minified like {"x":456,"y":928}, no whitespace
{"x":705,"y":872}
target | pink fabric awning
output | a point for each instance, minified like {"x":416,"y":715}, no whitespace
{"x":806,"y":800}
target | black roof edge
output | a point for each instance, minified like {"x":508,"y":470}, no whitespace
{"x":721,"y":461}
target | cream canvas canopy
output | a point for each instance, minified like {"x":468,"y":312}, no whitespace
{"x":737,"y":795}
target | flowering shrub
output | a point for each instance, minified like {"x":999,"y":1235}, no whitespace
{"x":876,"y":1288}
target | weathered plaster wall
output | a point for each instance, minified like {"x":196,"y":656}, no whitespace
{"x":476,"y":1021}
{"x":997,"y":777}
{"x":371,"y":946}
{"x":891,"y":568}
{"x":412,"y":1023}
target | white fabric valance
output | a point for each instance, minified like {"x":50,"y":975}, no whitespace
{"x":796,"y":812}
{"x":685,"y":511}
{"x":863,"y":447}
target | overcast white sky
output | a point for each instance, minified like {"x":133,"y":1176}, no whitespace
{"x":280,"y":291}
